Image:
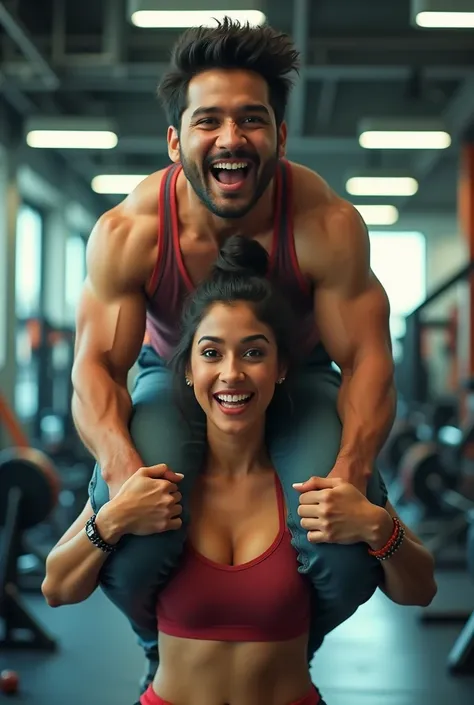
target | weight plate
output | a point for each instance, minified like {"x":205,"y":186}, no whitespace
{"x":34,"y":474}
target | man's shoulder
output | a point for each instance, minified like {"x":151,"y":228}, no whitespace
{"x":127,"y":234}
{"x":307,"y":184}
{"x":144,"y":199}
{"x":328,"y":228}
{"x":134,"y":218}
{"x":315,"y":200}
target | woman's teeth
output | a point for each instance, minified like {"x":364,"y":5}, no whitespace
{"x":231,"y":400}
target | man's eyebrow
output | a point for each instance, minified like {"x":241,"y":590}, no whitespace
{"x":213,"y":110}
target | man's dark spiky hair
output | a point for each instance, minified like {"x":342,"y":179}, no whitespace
{"x":230,"y":45}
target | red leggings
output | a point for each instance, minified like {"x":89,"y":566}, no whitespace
{"x":151,"y":698}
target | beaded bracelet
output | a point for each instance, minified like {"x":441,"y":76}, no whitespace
{"x":393,"y":544}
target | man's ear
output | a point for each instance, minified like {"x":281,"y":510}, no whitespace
{"x":282,"y":137}
{"x":173,"y":144}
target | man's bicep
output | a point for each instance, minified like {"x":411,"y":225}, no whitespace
{"x":353,"y":324}
{"x":110,"y":332}
{"x":111,"y":315}
{"x":351,"y":307}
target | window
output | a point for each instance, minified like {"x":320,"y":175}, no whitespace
{"x":75,"y":273}
{"x":398,"y":259}
{"x":29,"y":235}
{"x":28,"y":303}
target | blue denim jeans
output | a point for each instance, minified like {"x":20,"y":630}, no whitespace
{"x":303,"y":438}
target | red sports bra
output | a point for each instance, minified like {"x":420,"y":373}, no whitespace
{"x":265,"y":599}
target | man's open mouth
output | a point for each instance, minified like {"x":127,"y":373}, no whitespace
{"x":231,"y":175}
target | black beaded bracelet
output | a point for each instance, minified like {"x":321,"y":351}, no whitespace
{"x":95,"y":538}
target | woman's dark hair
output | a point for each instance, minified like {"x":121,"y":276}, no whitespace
{"x":230,"y":45}
{"x":237,"y":275}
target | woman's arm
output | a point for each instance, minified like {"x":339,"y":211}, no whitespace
{"x":147,"y":503}
{"x":409,"y":573}
{"x":73,"y":566}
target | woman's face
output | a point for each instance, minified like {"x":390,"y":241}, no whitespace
{"x":234,"y":367}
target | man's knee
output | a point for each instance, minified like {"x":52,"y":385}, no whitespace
{"x":344,"y":577}
{"x":161,"y":433}
{"x":133,"y":574}
{"x":305,"y":440}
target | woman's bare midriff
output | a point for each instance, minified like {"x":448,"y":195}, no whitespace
{"x":194,"y":672}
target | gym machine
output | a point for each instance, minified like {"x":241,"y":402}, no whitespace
{"x":29,"y":490}
{"x":461,"y":656}
{"x":37,"y":541}
{"x":434,"y":457}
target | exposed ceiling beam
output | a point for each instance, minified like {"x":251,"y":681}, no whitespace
{"x":17,"y":33}
{"x":139,"y":144}
{"x":296,"y":106}
{"x":419,"y":42}
{"x":80,"y":170}
{"x":60,"y":174}
{"x":143,"y":78}
{"x":113,"y":40}
{"x":458,"y":116}
{"x":111,"y":43}
{"x":15,"y":97}
{"x":327,"y":101}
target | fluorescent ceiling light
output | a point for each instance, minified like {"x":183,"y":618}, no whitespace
{"x":451,"y":20}
{"x":164,"y":19}
{"x":71,"y":139}
{"x":403,"y":133}
{"x":378,"y":215}
{"x":404,"y":140}
{"x":453,"y":14}
{"x":116,"y":183}
{"x":381,"y":186}
{"x":190,"y":13}
{"x":70,"y":132}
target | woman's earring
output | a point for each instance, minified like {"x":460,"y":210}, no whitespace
{"x":188,"y":382}
{"x":281,"y":380}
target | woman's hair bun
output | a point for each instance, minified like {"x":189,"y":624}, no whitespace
{"x":241,"y":256}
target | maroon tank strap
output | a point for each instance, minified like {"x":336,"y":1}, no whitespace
{"x":165,"y":260}
{"x":283,"y":256}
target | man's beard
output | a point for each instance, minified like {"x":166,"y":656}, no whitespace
{"x":229,"y":210}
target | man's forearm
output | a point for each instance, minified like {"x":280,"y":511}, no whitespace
{"x":101,"y":410}
{"x":366,"y":406}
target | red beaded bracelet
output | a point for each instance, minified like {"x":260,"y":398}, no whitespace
{"x":394,"y":539}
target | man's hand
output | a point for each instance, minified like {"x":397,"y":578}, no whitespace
{"x":334,"y":511}
{"x":350,"y":469}
{"x":147,"y":503}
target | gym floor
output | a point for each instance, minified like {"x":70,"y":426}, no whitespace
{"x":384,"y":655}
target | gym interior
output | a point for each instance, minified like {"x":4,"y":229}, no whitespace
{"x":384,"y":111}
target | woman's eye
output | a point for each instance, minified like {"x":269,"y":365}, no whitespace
{"x":254,"y":353}
{"x":209,"y":353}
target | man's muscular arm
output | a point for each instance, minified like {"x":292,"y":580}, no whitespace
{"x":352,"y":314}
{"x":110,"y":332}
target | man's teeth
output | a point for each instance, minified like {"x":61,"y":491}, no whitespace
{"x":230,"y":165}
{"x":233,"y":398}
